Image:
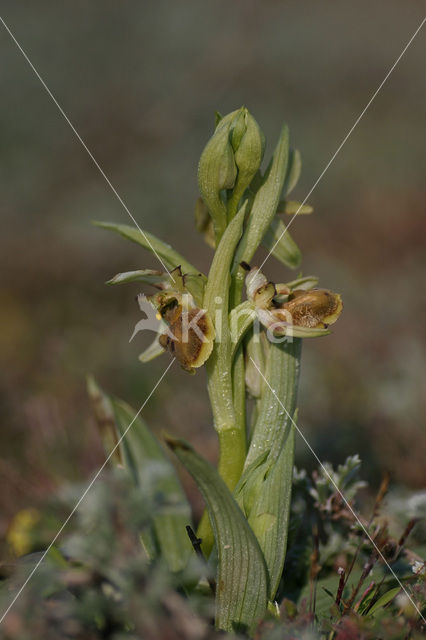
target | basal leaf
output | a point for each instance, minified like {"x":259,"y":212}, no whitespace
{"x":242,"y":581}
{"x":141,"y":450}
{"x":265,"y":487}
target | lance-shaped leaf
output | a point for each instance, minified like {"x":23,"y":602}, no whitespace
{"x":216,"y":302}
{"x":242,"y":582}
{"x":145,"y":461}
{"x":264,"y":490}
{"x":262,"y":212}
{"x":384,"y":600}
{"x":105,"y":419}
{"x":141,"y":450}
{"x":282,"y":246}
{"x":278,"y":399}
{"x":270,"y":513}
{"x":171,"y":258}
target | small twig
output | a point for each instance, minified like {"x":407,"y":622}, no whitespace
{"x":384,"y":486}
{"x":364,"y":595}
{"x":196,"y":544}
{"x":395,"y":556}
{"x":404,"y":537}
{"x":315,"y":569}
{"x":383,"y":489}
{"x":341,"y":585}
{"x":367,"y":568}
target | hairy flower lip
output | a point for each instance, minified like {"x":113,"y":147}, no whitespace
{"x":287,"y":311}
{"x":190,"y":345}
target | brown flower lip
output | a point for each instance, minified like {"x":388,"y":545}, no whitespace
{"x":286,"y":311}
{"x":184,"y":342}
{"x":315,"y":308}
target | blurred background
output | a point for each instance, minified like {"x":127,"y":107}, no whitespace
{"x":140,"y":82}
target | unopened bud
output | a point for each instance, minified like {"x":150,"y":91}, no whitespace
{"x":217,"y":171}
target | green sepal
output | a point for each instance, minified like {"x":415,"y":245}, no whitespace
{"x":148,"y":241}
{"x":305,"y":283}
{"x":292,"y":207}
{"x":248,"y":143}
{"x":153,"y":351}
{"x":294,"y":169}
{"x":147,"y":276}
{"x":240,"y":320}
{"x":282,"y":246}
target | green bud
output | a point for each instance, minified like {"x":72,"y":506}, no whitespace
{"x":217,"y":171}
{"x":248,"y":143}
{"x":238,"y":128}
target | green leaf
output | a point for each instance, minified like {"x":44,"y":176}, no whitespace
{"x":331,"y":583}
{"x":217,"y":289}
{"x":262,"y":212}
{"x":105,"y":419}
{"x":270,"y":514}
{"x":143,"y":455}
{"x":294,"y":169}
{"x":278,"y":240}
{"x":171,"y":258}
{"x":242,"y":581}
{"x":384,"y":600}
{"x":282,"y":373}
{"x":265,"y":487}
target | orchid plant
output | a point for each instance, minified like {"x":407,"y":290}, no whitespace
{"x":249,"y":339}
